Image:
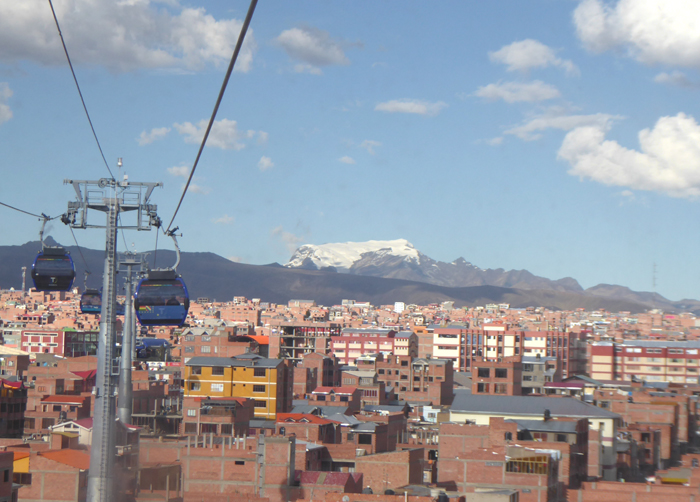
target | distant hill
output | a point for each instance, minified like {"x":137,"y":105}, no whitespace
{"x":210,"y":275}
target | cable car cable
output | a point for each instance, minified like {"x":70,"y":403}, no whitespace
{"x":65,"y":49}
{"x":234,"y":57}
{"x":40,"y":216}
{"x":87,"y":269}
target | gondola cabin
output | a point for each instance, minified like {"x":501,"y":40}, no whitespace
{"x":91,"y":302}
{"x":161,"y":299}
{"x":53,"y":270}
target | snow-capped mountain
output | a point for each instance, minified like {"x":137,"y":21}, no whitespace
{"x":399,"y":259}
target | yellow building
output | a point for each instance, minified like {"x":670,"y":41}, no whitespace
{"x":268,"y":382}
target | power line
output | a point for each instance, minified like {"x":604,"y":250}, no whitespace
{"x":65,"y":49}
{"x":236,"y":50}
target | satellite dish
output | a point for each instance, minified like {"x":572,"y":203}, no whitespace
{"x":345,"y":499}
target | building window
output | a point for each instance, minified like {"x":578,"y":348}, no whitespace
{"x":217,"y":387}
{"x":483,"y":372}
{"x":364,"y":439}
{"x":508,"y":436}
{"x":190,"y":428}
{"x":205,"y":349}
{"x":194,"y":385}
{"x":482,"y":387}
{"x":217,"y":371}
{"x":501,"y":373}
{"x":189,"y":348}
{"x":189,"y":338}
{"x":259,"y":372}
{"x":561,"y":438}
{"x":404,"y":363}
{"x":260,"y":404}
{"x":258,"y":388}
{"x":206,"y":338}
{"x":500,"y":388}
{"x":196,"y":370}
{"x":192,"y":413}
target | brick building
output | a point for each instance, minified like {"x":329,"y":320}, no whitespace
{"x":222,"y":416}
{"x":356,"y":342}
{"x":652,"y":361}
{"x":294,"y":339}
{"x":268,"y":382}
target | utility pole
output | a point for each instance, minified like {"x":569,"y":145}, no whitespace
{"x":125,"y":399}
{"x":111,"y":197}
{"x":24,"y":280}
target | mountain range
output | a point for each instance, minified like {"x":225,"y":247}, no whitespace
{"x":386,"y":277}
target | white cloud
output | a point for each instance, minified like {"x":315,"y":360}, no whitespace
{"x":235,"y":259}
{"x":347,"y":160}
{"x":5,"y":95}
{"x":313,"y":47}
{"x":513,"y":92}
{"x":157,"y":133}
{"x":527,"y":54}
{"x":495,"y":141}
{"x":651,"y":31}
{"x":531,"y":129}
{"x":122,"y":36}
{"x":224,"y":220}
{"x":370,"y":145}
{"x":183,"y":171}
{"x":676,"y":78}
{"x":290,"y":240}
{"x":224,"y":134}
{"x":307,"y":68}
{"x":265,"y":163}
{"x":262,"y":137}
{"x":198,"y":189}
{"x":411,"y":106}
{"x":668,"y":160}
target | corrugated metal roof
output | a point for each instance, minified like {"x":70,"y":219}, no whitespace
{"x":526,"y":405}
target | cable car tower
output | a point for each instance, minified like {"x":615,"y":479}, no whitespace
{"x":111,"y":197}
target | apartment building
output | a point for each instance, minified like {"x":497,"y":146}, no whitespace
{"x":416,"y":380}
{"x":652,"y":361}
{"x":356,"y":342}
{"x":268,"y":382}
{"x":496,"y":340}
{"x":293,"y":339}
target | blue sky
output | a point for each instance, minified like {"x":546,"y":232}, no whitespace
{"x":555,"y":136}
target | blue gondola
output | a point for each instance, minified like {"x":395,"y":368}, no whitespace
{"x":91,"y":302}
{"x":161,"y":299}
{"x":148,"y":347}
{"x":53,"y":270}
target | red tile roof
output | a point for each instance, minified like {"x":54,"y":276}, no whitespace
{"x":262,"y":340}
{"x":85,"y":374}
{"x":301,"y":418}
{"x":74,"y":458}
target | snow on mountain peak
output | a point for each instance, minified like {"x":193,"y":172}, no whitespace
{"x":343,"y":255}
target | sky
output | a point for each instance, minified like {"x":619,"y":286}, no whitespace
{"x":556,"y":136}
